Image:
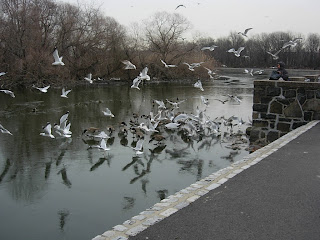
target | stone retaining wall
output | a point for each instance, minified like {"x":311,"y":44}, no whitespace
{"x":281,"y":106}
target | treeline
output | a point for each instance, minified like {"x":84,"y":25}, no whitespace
{"x":91,"y":42}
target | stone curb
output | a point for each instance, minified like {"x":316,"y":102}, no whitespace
{"x":184,"y":197}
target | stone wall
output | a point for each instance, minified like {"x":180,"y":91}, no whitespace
{"x":281,"y":106}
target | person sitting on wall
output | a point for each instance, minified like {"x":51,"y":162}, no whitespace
{"x":281,"y":72}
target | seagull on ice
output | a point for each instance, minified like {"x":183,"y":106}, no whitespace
{"x":245,"y":32}
{"x":47,"y":131}
{"x":128,"y":64}
{"x":181,"y":5}
{"x":168,"y":65}
{"x":108,"y":113}
{"x":44,"y":89}
{"x":103,"y":145}
{"x":143,"y":74}
{"x":8,"y":92}
{"x":3,"y":130}
{"x":139,"y":146}
{"x":236,"y":53}
{"x":65,"y":93}
{"x":198,"y":84}
{"x":57,"y":59}
{"x":291,"y":43}
{"x":89,"y":78}
{"x":136,"y":82}
{"x":211,"y":48}
{"x":275,"y":55}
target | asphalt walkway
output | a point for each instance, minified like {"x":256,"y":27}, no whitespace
{"x":276,"y":198}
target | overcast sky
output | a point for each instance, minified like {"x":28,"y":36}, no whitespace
{"x":217,"y":18}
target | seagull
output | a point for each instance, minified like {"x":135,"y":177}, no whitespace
{"x":245,"y":32}
{"x":63,"y":127}
{"x":160,"y":103}
{"x":291,"y":43}
{"x":8,"y":92}
{"x":172,"y":125}
{"x":258,"y":72}
{"x":143,"y":74}
{"x":168,"y":65}
{"x":181,"y":5}
{"x":139,"y":146}
{"x":198,"y":84}
{"x":136,"y":82}
{"x":235,"y":98}
{"x":57,"y":59}
{"x":248,"y":72}
{"x":191,"y":68}
{"x":275,"y":55}
{"x":47,"y":131}
{"x":128,"y":64}
{"x":44,"y":89}
{"x":89,"y":78}
{"x":103,"y":145}
{"x":65,"y":93}
{"x":175,"y":104}
{"x":2,"y":73}
{"x":210,"y":72}
{"x":211,"y":48}
{"x":3,"y":130}
{"x":63,"y":132}
{"x":204,"y":100}
{"x":108,"y":113}
{"x":236,"y":53}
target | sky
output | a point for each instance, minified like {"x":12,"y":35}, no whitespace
{"x":217,"y":18}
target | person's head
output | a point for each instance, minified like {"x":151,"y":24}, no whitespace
{"x":280,"y":65}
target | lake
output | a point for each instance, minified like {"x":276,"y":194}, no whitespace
{"x":62,"y":188}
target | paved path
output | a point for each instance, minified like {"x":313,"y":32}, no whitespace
{"x":272,"y":194}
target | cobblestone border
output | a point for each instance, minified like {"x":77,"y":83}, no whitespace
{"x":184,"y":197}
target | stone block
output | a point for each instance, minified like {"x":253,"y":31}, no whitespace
{"x":317,"y":94}
{"x":298,"y":124}
{"x":273,"y":91}
{"x":291,"y":93}
{"x":312,"y":105}
{"x":272,"y":136}
{"x":276,"y":107}
{"x":265,"y":100}
{"x":310,"y":94}
{"x":260,"y":123}
{"x":260,"y":107}
{"x":293,"y":110}
{"x":283,"y":127}
{"x":308,"y":116}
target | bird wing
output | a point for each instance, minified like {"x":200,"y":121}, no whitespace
{"x":56,"y":56}
{"x":245,"y":31}
{"x":163,"y":62}
{"x":139,"y":145}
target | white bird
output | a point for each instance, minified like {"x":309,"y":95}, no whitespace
{"x":139,"y":146}
{"x":47,"y":131}
{"x":191,"y":68}
{"x":168,"y":65}
{"x":44,"y":89}
{"x":210,"y":72}
{"x":291,"y":43}
{"x":211,"y":48}
{"x":108,"y":113}
{"x":235,"y":98}
{"x":63,"y":128}
{"x":65,"y":93}
{"x":89,"y":78}
{"x":3,"y":130}
{"x":2,"y":73}
{"x":236,"y":53}
{"x":258,"y":72}
{"x":245,"y":32}
{"x":248,"y":72}
{"x":128,"y":64}
{"x":136,"y":82}
{"x":175,"y":104}
{"x":198,"y":84}
{"x":172,"y":125}
{"x":103,"y":145}
{"x":144,"y":74}
{"x":57,"y":59}
{"x":204,"y":100}
{"x":160,"y":103}
{"x":275,"y":55}
{"x":8,"y":92}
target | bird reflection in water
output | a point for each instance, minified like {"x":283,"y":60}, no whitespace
{"x":64,"y":176}
{"x":63,"y":215}
{"x":101,"y":161}
{"x":162,"y":194}
{"x":5,"y":170}
{"x":128,"y":203}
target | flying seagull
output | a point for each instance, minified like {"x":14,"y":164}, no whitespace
{"x":8,"y":92}
{"x":128,"y":64}
{"x":43,"y":89}
{"x":108,"y":113}
{"x":245,"y":32}
{"x":275,"y":55}
{"x":3,"y":130}
{"x":211,"y":48}
{"x":2,"y":73}
{"x":89,"y":78}
{"x":198,"y":84}
{"x":136,"y":82}
{"x":143,"y":74}
{"x":57,"y":59}
{"x":47,"y":131}
{"x":236,"y":52}
{"x":65,"y":93}
{"x":167,"y":65}
{"x":291,"y":43}
{"x":181,"y":5}
{"x":139,"y":146}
